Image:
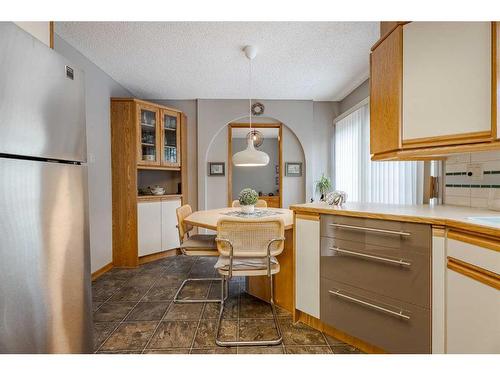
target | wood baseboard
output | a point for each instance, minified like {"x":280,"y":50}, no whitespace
{"x":101,"y":271}
{"x":339,"y":335}
{"x":160,"y":255}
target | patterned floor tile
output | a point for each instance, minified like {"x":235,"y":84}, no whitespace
{"x":173,"y":334}
{"x":148,"y":311}
{"x":130,"y":336}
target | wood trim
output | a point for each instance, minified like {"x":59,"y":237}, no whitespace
{"x":159,"y":168}
{"x":339,"y":335}
{"x":144,"y":102}
{"x":438,"y":231}
{"x":445,"y":140}
{"x":477,"y":273}
{"x":387,"y":33}
{"x":101,"y":271}
{"x":307,"y":216}
{"x":230,"y":156}
{"x":495,"y":61}
{"x":51,"y":34}
{"x":154,"y":198}
{"x":230,"y":166}
{"x":159,"y":255}
{"x":492,"y":244}
{"x":431,"y":153}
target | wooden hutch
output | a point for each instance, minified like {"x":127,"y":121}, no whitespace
{"x":148,"y":148}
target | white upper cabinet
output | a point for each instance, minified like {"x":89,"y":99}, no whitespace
{"x":447,"y":81}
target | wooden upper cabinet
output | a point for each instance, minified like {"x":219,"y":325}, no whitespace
{"x":170,"y":138}
{"x":433,"y":90}
{"x":386,"y":71}
{"x":148,"y":144}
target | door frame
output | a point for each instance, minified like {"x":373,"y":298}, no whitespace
{"x":276,"y":125}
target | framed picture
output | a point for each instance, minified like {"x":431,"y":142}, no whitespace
{"x":293,"y":169}
{"x":216,"y":169}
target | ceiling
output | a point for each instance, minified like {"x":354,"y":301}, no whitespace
{"x":188,"y":60}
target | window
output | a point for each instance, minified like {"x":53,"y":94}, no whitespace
{"x":366,"y":181}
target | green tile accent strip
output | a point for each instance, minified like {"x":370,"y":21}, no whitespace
{"x":456,"y":174}
{"x":473,"y":186}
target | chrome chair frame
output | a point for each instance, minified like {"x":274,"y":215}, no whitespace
{"x":224,"y":296}
{"x":203,"y":300}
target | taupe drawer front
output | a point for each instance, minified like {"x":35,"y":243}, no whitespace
{"x":394,"y":272}
{"x":392,"y":325}
{"x":377,"y":232}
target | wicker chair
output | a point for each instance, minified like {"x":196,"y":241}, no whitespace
{"x":194,"y":245}
{"x":248,"y":247}
{"x":261,"y":203}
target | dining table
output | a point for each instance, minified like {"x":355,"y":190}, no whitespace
{"x":258,"y":286}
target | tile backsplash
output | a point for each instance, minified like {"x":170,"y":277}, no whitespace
{"x":473,"y":180}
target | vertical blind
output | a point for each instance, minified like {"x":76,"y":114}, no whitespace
{"x":398,"y":182}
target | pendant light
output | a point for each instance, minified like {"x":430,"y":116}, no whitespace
{"x":250,"y":157}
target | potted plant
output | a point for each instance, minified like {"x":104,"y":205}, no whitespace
{"x":323,"y":186}
{"x":248,"y":198}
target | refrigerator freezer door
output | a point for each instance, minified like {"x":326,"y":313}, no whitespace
{"x":45,"y":301}
{"x":42,"y":111}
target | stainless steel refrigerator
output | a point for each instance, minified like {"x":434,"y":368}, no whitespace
{"x":45,"y":301}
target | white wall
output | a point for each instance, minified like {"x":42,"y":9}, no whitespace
{"x":39,"y":29}
{"x":302,"y":123}
{"x":99,"y":88}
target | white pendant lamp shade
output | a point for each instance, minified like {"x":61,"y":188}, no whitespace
{"x":250,"y":157}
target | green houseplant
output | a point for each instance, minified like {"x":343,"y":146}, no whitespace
{"x":323,"y":186}
{"x":248,"y":198}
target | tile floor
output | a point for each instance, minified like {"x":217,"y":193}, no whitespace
{"x":134,"y":313}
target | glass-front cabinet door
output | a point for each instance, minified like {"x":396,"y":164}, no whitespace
{"x":149,"y":145}
{"x":170,"y":129}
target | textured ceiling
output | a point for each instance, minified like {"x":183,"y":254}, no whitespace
{"x":187,"y":60}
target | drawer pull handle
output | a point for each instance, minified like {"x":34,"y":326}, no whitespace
{"x":400,"y":262}
{"x":398,"y":314}
{"x":371,"y":229}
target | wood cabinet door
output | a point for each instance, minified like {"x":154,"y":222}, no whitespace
{"x":447,"y":83}
{"x":148,"y":150}
{"x":386,"y":73}
{"x":169,"y":233}
{"x":149,"y":227}
{"x":170,"y":138}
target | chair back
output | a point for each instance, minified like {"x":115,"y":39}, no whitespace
{"x":261,"y":203}
{"x":183,"y":227}
{"x":250,"y":237}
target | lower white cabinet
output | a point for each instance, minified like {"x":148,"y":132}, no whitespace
{"x":307,"y":265}
{"x":157,"y":226}
{"x":472,"y":305}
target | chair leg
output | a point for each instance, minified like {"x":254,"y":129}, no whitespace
{"x":203,"y":300}
{"x":276,"y":341}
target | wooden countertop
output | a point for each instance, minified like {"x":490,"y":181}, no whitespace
{"x":155,"y":198}
{"x":208,"y":219}
{"x":442,"y":215}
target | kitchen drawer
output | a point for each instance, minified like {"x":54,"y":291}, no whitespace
{"x":399,"y":273}
{"x":378,"y":232}
{"x":394,"y":326}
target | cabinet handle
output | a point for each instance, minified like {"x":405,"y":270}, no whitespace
{"x":400,"y":262}
{"x":398,"y":314}
{"x":371,"y":229}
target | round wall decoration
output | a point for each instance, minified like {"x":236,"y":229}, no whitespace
{"x":257,"y":109}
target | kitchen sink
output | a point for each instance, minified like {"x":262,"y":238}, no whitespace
{"x":486,"y":220}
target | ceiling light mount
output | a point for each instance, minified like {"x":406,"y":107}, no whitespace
{"x":250,"y":52}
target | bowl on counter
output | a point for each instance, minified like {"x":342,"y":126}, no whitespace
{"x":158,"y":190}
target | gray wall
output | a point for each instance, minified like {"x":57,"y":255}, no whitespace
{"x":358,"y":94}
{"x":258,"y":178}
{"x":189,"y":109}
{"x":99,"y":88}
